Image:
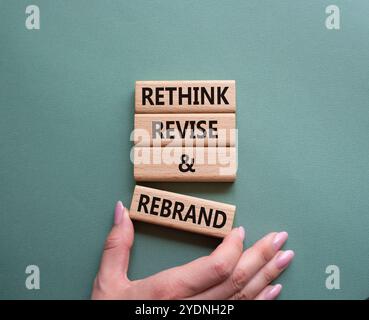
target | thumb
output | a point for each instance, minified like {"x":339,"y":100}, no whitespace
{"x":115,"y":259}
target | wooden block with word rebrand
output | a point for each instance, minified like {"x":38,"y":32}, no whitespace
{"x":182,"y":212}
{"x":185,"y":164}
{"x":213,"y":129}
{"x":185,"y":96}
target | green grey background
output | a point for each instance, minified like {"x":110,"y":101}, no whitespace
{"x":66,"y":113}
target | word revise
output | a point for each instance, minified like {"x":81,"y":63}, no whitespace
{"x":177,"y":129}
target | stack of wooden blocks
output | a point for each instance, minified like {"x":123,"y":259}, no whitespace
{"x":185,"y":131}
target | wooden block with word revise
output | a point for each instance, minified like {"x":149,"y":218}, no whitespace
{"x":207,"y":129}
{"x":185,"y":96}
{"x":182,"y":212}
{"x":185,"y":164}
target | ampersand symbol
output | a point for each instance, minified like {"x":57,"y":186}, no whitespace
{"x":184,"y":166}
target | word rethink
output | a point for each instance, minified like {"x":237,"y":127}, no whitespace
{"x":185,"y":96}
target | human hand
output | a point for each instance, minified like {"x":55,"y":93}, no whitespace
{"x":227,"y":273}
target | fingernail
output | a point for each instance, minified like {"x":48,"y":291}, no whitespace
{"x":118,"y":216}
{"x":241,"y":231}
{"x":284,"y":259}
{"x":273,"y":292}
{"x":279,"y":240}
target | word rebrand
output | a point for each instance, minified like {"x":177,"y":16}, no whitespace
{"x":182,"y":212}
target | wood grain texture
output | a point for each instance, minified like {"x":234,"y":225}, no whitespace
{"x":182,"y":212}
{"x":165,"y":96}
{"x":212,"y":164}
{"x":207,"y":129}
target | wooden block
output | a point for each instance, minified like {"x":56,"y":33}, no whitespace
{"x":212,"y":164}
{"x":185,"y":129}
{"x":185,"y":96}
{"x":182,"y":212}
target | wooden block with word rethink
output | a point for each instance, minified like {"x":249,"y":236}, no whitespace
{"x":185,"y":96}
{"x":185,"y":164}
{"x":207,"y":129}
{"x":182,"y":212}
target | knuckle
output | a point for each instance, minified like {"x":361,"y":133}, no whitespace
{"x":239,"y":278}
{"x":180,"y":289}
{"x":97,"y":283}
{"x":242,"y":295}
{"x":264,"y":255}
{"x":111,"y":242}
{"x":159,"y":292}
{"x":265,"y":249}
{"x":222,"y":269}
{"x":268,"y":276}
{"x":99,"y":288}
{"x":162,"y":291}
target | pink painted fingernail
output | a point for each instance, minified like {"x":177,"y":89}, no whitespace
{"x":118,"y":216}
{"x":241,"y":231}
{"x":279,"y":240}
{"x":273,"y":292}
{"x":284,"y":259}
